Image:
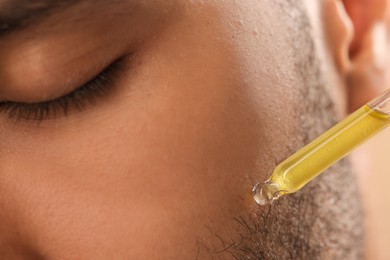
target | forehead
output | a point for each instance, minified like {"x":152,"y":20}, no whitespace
{"x":19,"y":14}
{"x":16,"y":15}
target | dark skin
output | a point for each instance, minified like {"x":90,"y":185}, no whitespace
{"x":203,"y":100}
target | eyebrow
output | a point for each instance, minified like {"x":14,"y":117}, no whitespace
{"x":16,"y":15}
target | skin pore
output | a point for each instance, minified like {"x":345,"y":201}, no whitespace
{"x":206,"y":99}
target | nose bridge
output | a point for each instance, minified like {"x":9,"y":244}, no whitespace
{"x":15,"y":249}
{"x":15,"y":240}
{"x":15,"y":228}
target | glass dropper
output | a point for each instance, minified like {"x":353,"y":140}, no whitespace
{"x":314,"y":158}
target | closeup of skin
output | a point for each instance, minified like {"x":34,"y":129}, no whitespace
{"x":134,"y":129}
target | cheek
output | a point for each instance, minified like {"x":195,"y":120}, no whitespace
{"x":166,"y":164}
{"x":149,"y":171}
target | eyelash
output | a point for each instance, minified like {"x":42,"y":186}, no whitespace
{"x":77,"y":99}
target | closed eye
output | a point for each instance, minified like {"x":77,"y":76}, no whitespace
{"x":78,"y":99}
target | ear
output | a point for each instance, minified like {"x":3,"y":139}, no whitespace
{"x":358,"y":38}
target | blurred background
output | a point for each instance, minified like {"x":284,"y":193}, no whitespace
{"x":373,"y":160}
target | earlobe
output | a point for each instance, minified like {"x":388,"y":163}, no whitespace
{"x":357,"y":38}
{"x":363,"y":15}
{"x":367,"y":76}
{"x":368,"y":52}
{"x":339,"y":31}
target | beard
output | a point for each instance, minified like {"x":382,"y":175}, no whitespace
{"x":325,"y":218}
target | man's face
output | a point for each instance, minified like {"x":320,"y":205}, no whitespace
{"x":136,"y":130}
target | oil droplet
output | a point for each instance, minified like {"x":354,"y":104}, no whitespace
{"x":266,"y":193}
